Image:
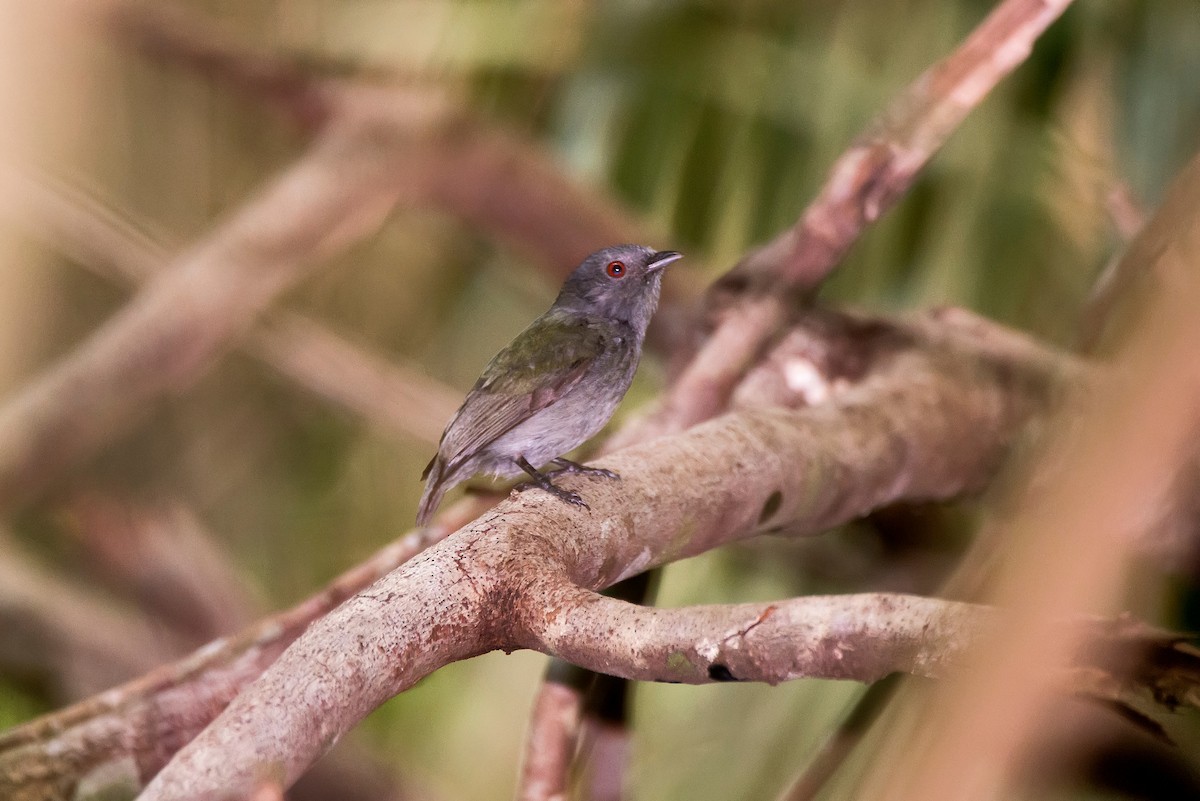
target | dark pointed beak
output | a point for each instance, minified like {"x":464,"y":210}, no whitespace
{"x":662,"y":259}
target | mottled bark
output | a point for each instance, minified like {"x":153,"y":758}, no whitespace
{"x":925,"y":417}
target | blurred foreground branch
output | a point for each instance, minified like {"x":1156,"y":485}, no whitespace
{"x":1111,"y":472}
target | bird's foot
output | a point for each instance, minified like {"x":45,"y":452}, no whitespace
{"x":542,"y":481}
{"x":569,"y":467}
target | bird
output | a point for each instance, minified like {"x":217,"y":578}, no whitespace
{"x":557,"y":383}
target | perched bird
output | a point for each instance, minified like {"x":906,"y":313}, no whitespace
{"x":558,"y":382}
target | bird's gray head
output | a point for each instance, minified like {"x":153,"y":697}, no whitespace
{"x":621,"y":283}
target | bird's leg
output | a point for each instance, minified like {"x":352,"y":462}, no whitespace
{"x":543,"y":482}
{"x":567,"y":466}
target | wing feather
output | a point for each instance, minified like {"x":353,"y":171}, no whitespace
{"x":519,"y":382}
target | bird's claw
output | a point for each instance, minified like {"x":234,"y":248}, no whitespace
{"x":563,"y":495}
{"x":567,"y":496}
{"x":567,"y":466}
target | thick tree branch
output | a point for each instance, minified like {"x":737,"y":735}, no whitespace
{"x":117,"y":738}
{"x":861,"y":637}
{"x":72,"y":643}
{"x":926,"y":418}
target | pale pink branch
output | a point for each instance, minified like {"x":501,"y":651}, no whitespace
{"x":861,"y":637}
{"x":922,"y":419}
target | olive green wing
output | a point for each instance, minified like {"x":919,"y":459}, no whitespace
{"x":540,"y":366}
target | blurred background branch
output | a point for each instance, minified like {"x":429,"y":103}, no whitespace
{"x":752,"y":302}
{"x":390,"y":395}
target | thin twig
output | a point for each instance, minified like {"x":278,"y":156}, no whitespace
{"x":1120,"y":280}
{"x":756,"y":298}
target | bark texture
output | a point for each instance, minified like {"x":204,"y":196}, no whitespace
{"x":927,"y":417}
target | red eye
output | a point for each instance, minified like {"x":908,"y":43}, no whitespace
{"x":615,"y":269}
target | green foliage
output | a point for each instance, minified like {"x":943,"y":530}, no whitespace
{"x":17,"y":704}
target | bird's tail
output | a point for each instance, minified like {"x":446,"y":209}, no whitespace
{"x":435,"y":488}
